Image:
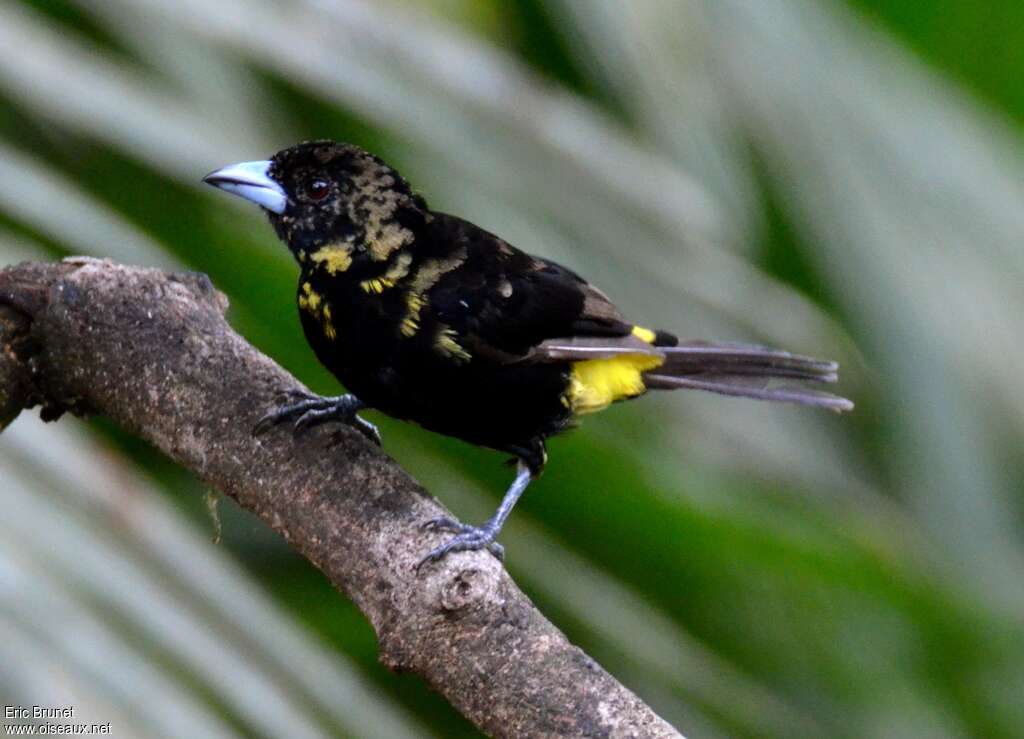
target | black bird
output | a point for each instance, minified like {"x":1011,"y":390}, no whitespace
{"x":429,"y":318}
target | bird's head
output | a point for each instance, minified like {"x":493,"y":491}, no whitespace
{"x":325,"y":195}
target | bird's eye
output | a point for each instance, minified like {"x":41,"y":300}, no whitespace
{"x":318,"y":189}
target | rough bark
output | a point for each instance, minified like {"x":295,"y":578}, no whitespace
{"x":152,"y":351}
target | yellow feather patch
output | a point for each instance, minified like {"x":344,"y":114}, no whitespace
{"x":644,"y":334}
{"x":333,"y":257}
{"x":447,"y":344}
{"x":597,"y":383}
{"x":310,"y":299}
{"x":409,"y":327}
{"x":377,"y":285}
{"x":398,"y":270}
{"x":329,"y":331}
{"x":411,"y":323}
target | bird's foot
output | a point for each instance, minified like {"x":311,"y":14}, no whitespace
{"x":467,"y":538}
{"x":306,"y":411}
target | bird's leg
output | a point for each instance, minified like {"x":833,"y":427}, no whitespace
{"x":480,"y":537}
{"x":307,"y":411}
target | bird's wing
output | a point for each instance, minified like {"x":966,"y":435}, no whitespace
{"x":508,"y":306}
{"x":503,"y":303}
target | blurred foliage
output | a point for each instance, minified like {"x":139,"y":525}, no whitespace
{"x":983,"y":46}
{"x":839,"y":180}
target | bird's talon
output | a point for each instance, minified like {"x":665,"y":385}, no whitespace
{"x":306,"y":421}
{"x":367,"y":429}
{"x":268,"y":421}
{"x":468,"y":538}
{"x":444,"y":523}
{"x":308,"y":411}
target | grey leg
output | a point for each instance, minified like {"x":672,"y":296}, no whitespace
{"x":479,"y":537}
{"x":307,"y":411}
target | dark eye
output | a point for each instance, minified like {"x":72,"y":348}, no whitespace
{"x":318,"y":189}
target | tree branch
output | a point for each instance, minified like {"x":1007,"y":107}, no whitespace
{"x":152,"y":351}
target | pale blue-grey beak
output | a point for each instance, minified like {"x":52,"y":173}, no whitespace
{"x":250,"y":181}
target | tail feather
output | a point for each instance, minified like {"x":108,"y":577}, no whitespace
{"x":744,"y":359}
{"x":744,"y":370}
{"x":791,"y":373}
{"x":747,"y":386}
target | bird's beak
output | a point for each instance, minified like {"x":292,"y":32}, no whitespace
{"x":251,"y":181}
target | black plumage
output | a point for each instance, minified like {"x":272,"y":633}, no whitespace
{"x":440,"y":347}
{"x":429,"y":318}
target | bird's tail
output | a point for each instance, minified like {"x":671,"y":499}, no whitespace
{"x":745,"y":370}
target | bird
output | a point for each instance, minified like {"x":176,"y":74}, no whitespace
{"x":431,"y":319}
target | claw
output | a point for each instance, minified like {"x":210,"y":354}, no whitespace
{"x":294,"y":395}
{"x":311,"y":410}
{"x":283,"y":413}
{"x":467,"y":538}
{"x":364,"y":427}
{"x":266,"y":422}
{"x":367,"y":429}
{"x":478,"y":537}
{"x":445,"y":523}
{"x":310,"y":418}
